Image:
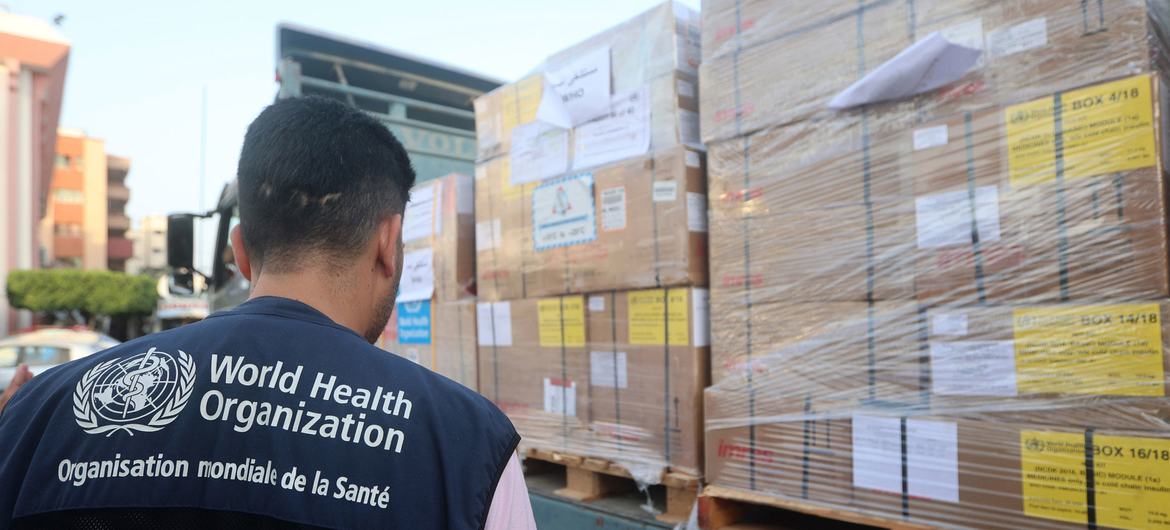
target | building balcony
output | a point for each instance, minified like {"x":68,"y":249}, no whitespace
{"x":68,"y":213}
{"x":117,"y":192}
{"x":65,"y":247}
{"x":118,"y":222}
{"x":117,"y":167}
{"x":119,"y":248}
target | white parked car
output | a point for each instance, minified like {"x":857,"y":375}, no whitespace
{"x":45,"y":348}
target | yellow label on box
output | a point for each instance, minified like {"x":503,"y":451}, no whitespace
{"x":1104,"y":129}
{"x":562,"y":322}
{"x":653,"y":316}
{"x":1052,"y":474}
{"x":1031,"y":142}
{"x":520,"y":102}
{"x":1097,"y":350}
{"x":1131,"y":479}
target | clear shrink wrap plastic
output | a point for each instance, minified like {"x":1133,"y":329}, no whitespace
{"x":948,"y":310}
{"x":592,"y":327}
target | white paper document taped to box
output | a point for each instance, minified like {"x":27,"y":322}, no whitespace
{"x":613,"y":209}
{"x":487,"y":235}
{"x":577,"y":93}
{"x":560,"y":397}
{"x":931,"y":63}
{"x":539,"y":151}
{"x":973,"y":368}
{"x":701,"y":316}
{"x":623,"y":133}
{"x":493,"y":322}
{"x":931,"y":453}
{"x":418,"y":220}
{"x":608,"y":369}
{"x":877,"y":453}
{"x":664,"y":191}
{"x":932,"y":460}
{"x":944,"y":219}
{"x":696,"y":212}
{"x":418,"y":276}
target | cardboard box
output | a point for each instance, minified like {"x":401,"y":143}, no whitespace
{"x":503,"y":232}
{"x":440,"y":336}
{"x":848,"y":209}
{"x":832,"y":254}
{"x":987,"y":356}
{"x":818,"y":202}
{"x":844,"y":160}
{"x":1091,"y":228}
{"x":657,"y":50}
{"x":648,"y":363}
{"x":440,"y":219}
{"x":648,"y":214}
{"x":617,"y":375}
{"x":835,"y":352}
{"x":1031,"y":48}
{"x":938,"y":470}
{"x":533,"y":365}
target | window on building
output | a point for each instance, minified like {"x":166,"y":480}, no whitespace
{"x":67,"y":229}
{"x":68,"y":196}
{"x":63,"y":161}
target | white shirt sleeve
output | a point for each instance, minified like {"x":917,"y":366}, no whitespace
{"x":511,"y":508}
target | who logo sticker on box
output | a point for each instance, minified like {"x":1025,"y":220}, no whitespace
{"x":563,"y":212}
{"x":414,"y":322}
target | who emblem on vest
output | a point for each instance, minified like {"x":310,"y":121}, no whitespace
{"x":143,"y":392}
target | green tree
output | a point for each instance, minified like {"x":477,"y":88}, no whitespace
{"x":92,"y":293}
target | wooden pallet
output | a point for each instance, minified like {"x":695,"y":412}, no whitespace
{"x":588,"y":479}
{"x":722,"y":508}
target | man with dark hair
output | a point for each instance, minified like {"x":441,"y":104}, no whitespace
{"x":278,"y":413}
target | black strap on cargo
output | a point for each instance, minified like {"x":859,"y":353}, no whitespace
{"x":973,"y":200}
{"x":617,"y":396}
{"x":564,"y":379}
{"x":459,"y":329}
{"x":905,"y":471}
{"x":667,"y":431}
{"x":495,"y":353}
{"x":923,"y":357}
{"x":867,"y":200}
{"x":523,"y":248}
{"x":1086,"y":16}
{"x":806,"y":446}
{"x":1090,"y":483}
{"x":747,"y":252}
{"x":654,"y":216}
{"x":1061,"y":196}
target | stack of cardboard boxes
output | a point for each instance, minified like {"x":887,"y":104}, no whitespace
{"x":947,"y":309}
{"x":433,"y":323}
{"x":592,"y":248}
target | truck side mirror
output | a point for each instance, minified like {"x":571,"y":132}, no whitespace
{"x":181,"y":242}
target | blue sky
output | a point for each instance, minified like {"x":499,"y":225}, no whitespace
{"x":137,"y":69}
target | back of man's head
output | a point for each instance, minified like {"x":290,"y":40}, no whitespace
{"x":316,"y":177}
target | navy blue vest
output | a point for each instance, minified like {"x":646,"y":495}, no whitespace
{"x":269,"y":410}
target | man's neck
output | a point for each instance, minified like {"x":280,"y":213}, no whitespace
{"x":343,"y":302}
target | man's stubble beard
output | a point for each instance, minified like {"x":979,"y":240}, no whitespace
{"x":382,"y":312}
{"x":381,"y":317}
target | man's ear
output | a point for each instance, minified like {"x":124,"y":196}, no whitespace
{"x":240,"y":253}
{"x":389,"y":244}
